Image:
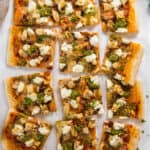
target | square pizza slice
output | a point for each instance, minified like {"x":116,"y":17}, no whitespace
{"x":31,"y":94}
{"x":79,"y":52}
{"x":81,"y":96}
{"x":31,"y":47}
{"x":119,"y":136}
{"x":122,"y":59}
{"x":124,"y":101}
{"x":76,"y":134}
{"x":118,"y":16}
{"x":22,"y":132}
{"x":65,"y":13}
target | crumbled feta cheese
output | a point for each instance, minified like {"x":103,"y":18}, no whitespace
{"x":32,"y":96}
{"x":78,"y":35}
{"x":26,"y":47}
{"x":31,"y":6}
{"x":79,"y":25}
{"x":66,"y":129}
{"x":109,"y":84}
{"x":47,"y":98}
{"x":36,"y":61}
{"x":65,"y":47}
{"x":59,"y":147}
{"x":114,"y":140}
{"x":29,"y":143}
{"x":110,"y":114}
{"x":121,"y":101}
{"x":38,"y":80}
{"x":80,"y":2}
{"x":119,"y":52}
{"x":49,"y":2}
{"x":44,"y":50}
{"x":99,"y":107}
{"x":77,"y":68}
{"x":44,"y":130}
{"x":118,"y":77}
{"x":42,"y":20}
{"x":69,"y":9}
{"x":35,"y":110}
{"x":73,"y":104}
{"x":118,"y":126}
{"x":20,"y":87}
{"x":90,"y":58}
{"x":44,"y":31}
{"x":65,"y":93}
{"x":17,"y":130}
{"x":62,"y":66}
{"x":108,"y":63}
{"x":122,"y":30}
{"x":95,"y":80}
{"x":30,"y":31}
{"x":79,"y":147}
{"x":125,"y":41}
{"x":116,"y":3}
{"x":94,"y":40}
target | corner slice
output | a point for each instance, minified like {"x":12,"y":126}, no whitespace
{"x":79,"y":52}
{"x":118,"y":136}
{"x":76,"y":134}
{"x":122,"y":59}
{"x":22,"y":132}
{"x":124,"y":101}
{"x":81,"y":96}
{"x":31,"y":47}
{"x":118,"y":16}
{"x":31,"y":94}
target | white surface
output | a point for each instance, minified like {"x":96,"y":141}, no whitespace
{"x":144,"y":74}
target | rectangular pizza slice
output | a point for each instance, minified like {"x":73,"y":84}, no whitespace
{"x":81,"y":96}
{"x":119,"y":136}
{"x":79,"y":52}
{"x":31,"y":47}
{"x":122,"y":59}
{"x":124,"y":101}
{"x":31,"y":94}
{"x":22,"y":132}
{"x":65,"y":13}
{"x":76,"y":134}
{"x":118,"y":16}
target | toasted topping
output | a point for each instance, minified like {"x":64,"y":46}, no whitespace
{"x":115,"y":140}
{"x":78,"y":68}
{"x":66,"y":47}
{"x":118,"y":126}
{"x":35,"y":110}
{"x":65,"y":93}
{"x":94,"y":40}
{"x":44,"y":130}
{"x":38,"y":80}
{"x":17,"y":130}
{"x":66,"y":129}
{"x":20,"y":87}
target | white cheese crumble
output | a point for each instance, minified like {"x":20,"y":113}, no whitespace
{"x":26,"y":47}
{"x":90,"y":58}
{"x":109,"y":83}
{"x":44,"y":130}
{"x":122,"y":30}
{"x":69,"y":9}
{"x":94,"y":40}
{"x":65,"y":47}
{"x":78,"y":35}
{"x":110,"y":114}
{"x":125,"y":41}
{"x":42,"y":20}
{"x":116,"y":3}
{"x":78,"y":68}
{"x":38,"y":80}
{"x":29,"y":143}
{"x":17,"y":130}
{"x":65,"y":93}
{"x":114,"y":140}
{"x":119,"y":52}
{"x":32,"y":96}
{"x":95,"y":80}
{"x":49,"y":2}
{"x":118,"y":77}
{"x":44,"y":31}
{"x":73,"y":104}
{"x":121,"y":101}
{"x":36,"y":61}
{"x":79,"y":25}
{"x":108,"y":63}
{"x":44,"y":50}
{"x":35,"y":110}
{"x":118,"y":126}
{"x":31,"y":6}
{"x":62,"y":65}
{"x":59,"y":147}
{"x":20,"y":87}
{"x":99,"y":107}
{"x":47,"y":98}
{"x":66,"y":129}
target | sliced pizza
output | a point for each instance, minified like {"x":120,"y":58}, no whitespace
{"x":118,"y":16}
{"x":31,"y":94}
{"x":76,"y":134}
{"x":79,"y":52}
{"x":122,"y":59}
{"x":65,"y":13}
{"x":124,"y":101}
{"x":31,"y":47}
{"x":81,"y":96}
{"x":119,"y":136}
{"x":22,"y":132}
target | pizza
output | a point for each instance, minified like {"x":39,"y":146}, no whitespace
{"x":122,"y":59}
{"x":76,"y":134}
{"x":124,"y":101}
{"x":81,"y":96}
{"x":22,"y":132}
{"x":119,"y":136}
{"x":79,"y":52}
{"x":64,"y":13}
{"x":31,"y":47}
{"x":118,"y":16}
{"x":31,"y":94}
